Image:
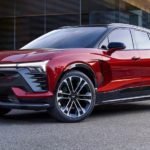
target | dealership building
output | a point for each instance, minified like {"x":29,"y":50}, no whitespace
{"x":24,"y":20}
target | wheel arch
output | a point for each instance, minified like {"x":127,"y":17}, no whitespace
{"x":84,"y":68}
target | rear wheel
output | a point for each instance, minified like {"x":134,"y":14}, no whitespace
{"x":75,"y":97}
{"x":4,"y":111}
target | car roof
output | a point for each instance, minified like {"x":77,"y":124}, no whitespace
{"x":112,"y":25}
{"x":115,"y":25}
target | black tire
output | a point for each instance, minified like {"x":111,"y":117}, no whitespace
{"x":77,"y":103}
{"x":4,"y":111}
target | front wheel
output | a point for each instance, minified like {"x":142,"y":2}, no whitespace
{"x":75,"y":97}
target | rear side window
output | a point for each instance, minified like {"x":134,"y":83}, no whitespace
{"x":142,"y":39}
{"x":123,"y":36}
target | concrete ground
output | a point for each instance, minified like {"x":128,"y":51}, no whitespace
{"x":111,"y":127}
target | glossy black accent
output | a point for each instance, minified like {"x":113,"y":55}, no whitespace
{"x":136,"y":89}
{"x":36,"y":80}
{"x":12,"y":102}
{"x":116,"y":45}
{"x":124,"y":95}
{"x":10,"y":77}
{"x":24,"y":106}
{"x":22,"y":78}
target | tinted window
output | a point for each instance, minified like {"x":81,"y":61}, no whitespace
{"x":142,"y":40}
{"x":83,"y":37}
{"x":123,"y":36}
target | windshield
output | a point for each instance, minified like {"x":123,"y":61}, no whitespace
{"x":82,"y":37}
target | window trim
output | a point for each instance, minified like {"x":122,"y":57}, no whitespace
{"x":112,"y":30}
{"x":100,"y":45}
{"x":148,"y":34}
{"x":124,"y":28}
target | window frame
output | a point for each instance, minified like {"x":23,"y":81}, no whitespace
{"x":133,"y":34}
{"x":112,"y":30}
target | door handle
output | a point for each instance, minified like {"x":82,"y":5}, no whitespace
{"x":135,"y":58}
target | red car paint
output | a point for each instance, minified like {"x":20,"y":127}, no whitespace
{"x":112,"y":70}
{"x":22,"y":94}
{"x":116,"y":71}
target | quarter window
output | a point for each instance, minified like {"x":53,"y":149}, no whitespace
{"x":142,"y":40}
{"x":104,"y":44}
{"x":123,"y":36}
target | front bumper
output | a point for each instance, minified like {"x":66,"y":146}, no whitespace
{"x":25,"y":100}
{"x":22,"y":89}
{"x":19,"y":93}
{"x":29,"y":106}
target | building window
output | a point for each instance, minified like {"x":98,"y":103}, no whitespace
{"x":23,"y":20}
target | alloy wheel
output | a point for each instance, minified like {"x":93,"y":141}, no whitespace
{"x":74,"y":96}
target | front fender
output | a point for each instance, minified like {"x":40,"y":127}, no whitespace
{"x":55,"y":71}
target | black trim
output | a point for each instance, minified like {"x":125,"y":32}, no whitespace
{"x":90,"y":71}
{"x":135,"y":89}
{"x":24,"y":106}
{"x":125,"y":100}
{"x":86,"y":67}
{"x":10,"y":77}
{"x":124,"y":95}
{"x":36,"y":80}
{"x":24,"y":79}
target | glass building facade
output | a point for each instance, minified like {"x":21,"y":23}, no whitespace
{"x":23,"y":20}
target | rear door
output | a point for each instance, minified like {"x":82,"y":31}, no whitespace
{"x":122,"y":69}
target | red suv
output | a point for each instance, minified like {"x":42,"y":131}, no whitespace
{"x":70,"y":70}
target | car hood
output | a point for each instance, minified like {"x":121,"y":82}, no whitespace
{"x":38,"y":55}
{"x":25,"y":55}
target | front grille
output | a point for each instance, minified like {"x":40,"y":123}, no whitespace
{"x":40,"y":79}
{"x":10,"y":77}
{"x":36,"y":80}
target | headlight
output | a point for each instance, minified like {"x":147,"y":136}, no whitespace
{"x":31,"y":65}
{"x":40,"y":65}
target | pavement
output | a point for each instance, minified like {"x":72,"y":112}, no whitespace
{"x":110,"y":127}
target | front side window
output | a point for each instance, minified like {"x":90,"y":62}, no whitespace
{"x":123,"y":36}
{"x":142,"y":39}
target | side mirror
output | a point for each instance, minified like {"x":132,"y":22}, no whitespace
{"x":115,"y":46}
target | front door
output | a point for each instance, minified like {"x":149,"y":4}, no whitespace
{"x":142,"y":40}
{"x":122,"y":70}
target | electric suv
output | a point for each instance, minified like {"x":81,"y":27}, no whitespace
{"x":69,"y":70}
